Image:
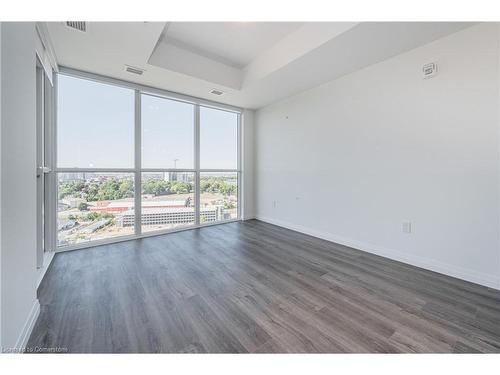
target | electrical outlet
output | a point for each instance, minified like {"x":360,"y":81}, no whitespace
{"x":275,"y":204}
{"x":406,"y":227}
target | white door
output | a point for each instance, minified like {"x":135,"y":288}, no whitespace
{"x":44,"y":91}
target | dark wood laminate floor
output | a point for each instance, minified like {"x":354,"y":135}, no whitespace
{"x":258,"y":288}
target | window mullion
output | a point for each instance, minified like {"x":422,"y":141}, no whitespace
{"x":197,"y":164}
{"x":240,"y":178}
{"x":138,"y":161}
{"x":51,"y":202}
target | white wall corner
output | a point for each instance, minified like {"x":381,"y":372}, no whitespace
{"x":1,"y":126}
{"x":47,"y":261}
{"x":247,"y":152}
{"x":19,"y":306}
{"x":43,"y":33}
{"x":498,"y":149}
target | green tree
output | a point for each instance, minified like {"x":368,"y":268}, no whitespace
{"x":109,"y":190}
{"x":93,"y":216}
{"x":83,"y":206}
{"x":156,"y":187}
{"x":217,"y":185}
{"x":181,"y":187}
{"x":108,"y":215}
{"x":229,"y":205}
{"x":126,"y":188}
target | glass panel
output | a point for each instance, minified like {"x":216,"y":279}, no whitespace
{"x":218,"y":196}
{"x":95,"y":125}
{"x":167,"y":133}
{"x":218,"y":139}
{"x":94,"y":206}
{"x":167,"y":200}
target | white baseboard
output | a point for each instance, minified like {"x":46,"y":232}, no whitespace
{"x":487,"y":280}
{"x":22,"y":341}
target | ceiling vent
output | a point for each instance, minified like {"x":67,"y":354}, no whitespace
{"x":133,"y":70}
{"x":77,"y":25}
{"x":216,"y":92}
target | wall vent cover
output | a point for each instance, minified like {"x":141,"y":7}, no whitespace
{"x":429,"y":70}
{"x":133,"y":70}
{"x":216,"y":92}
{"x":77,"y":25}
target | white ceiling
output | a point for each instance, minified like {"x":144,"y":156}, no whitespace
{"x":255,"y":64}
{"x":232,"y":43}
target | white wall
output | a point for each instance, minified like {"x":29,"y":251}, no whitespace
{"x":0,"y":186}
{"x":352,"y":159}
{"x":18,"y":195}
{"x":247,"y":158}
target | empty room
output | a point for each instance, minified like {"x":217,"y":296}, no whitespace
{"x":250,"y":187}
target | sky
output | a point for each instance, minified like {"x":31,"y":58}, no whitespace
{"x":95,"y":129}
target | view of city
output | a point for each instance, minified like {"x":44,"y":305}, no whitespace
{"x":94,"y":206}
{"x":95,"y":130}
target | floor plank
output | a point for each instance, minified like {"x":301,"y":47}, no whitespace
{"x":252,"y":287}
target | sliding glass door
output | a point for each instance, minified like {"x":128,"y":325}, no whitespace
{"x":131,"y":162}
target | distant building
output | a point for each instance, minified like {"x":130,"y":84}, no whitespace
{"x":169,"y":215}
{"x":95,"y":226}
{"x":73,"y":202}
{"x":176,"y":176}
{"x":122,"y":206}
{"x":62,"y":206}
{"x":65,"y":225}
{"x":69,"y":177}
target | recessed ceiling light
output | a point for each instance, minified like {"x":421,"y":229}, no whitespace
{"x":216,"y":92}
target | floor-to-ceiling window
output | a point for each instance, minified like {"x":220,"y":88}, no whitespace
{"x":132,"y":162}
{"x":168,"y":153}
{"x":218,"y":165}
